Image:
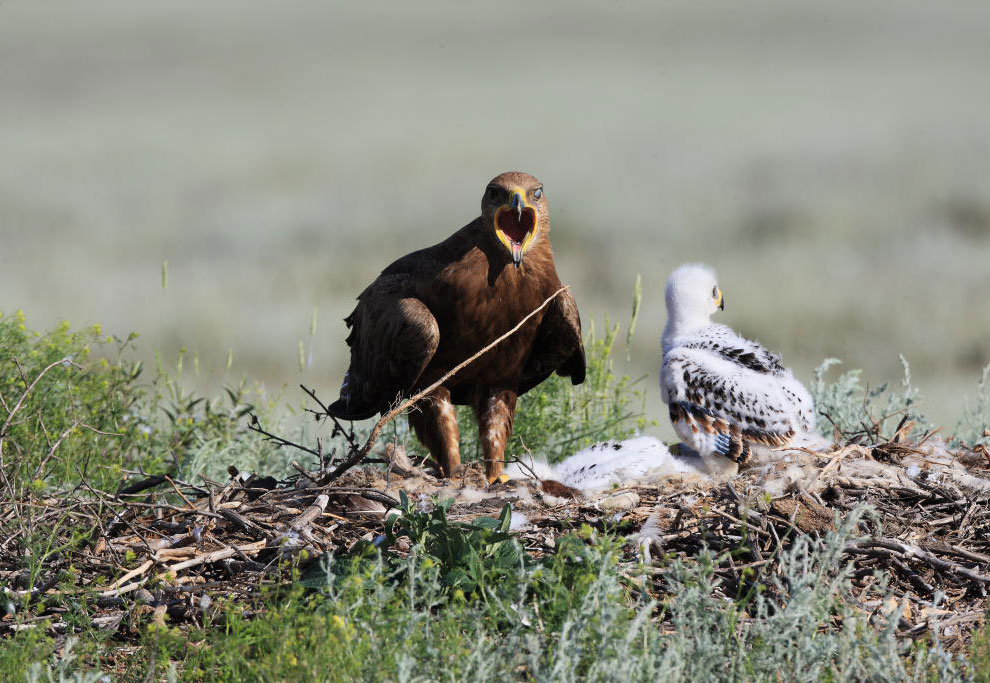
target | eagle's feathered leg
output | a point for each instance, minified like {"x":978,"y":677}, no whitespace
{"x":496,"y":410}
{"x":434,"y":420}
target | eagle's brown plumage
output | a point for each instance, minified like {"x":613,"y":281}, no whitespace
{"x":436,"y":307}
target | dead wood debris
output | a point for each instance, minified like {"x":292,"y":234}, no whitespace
{"x":160,"y":547}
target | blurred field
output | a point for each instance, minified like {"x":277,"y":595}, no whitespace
{"x":831,"y":159}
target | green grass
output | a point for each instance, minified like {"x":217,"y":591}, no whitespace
{"x":980,"y":654}
{"x":63,"y":413}
{"x":20,"y":651}
{"x":467,"y":602}
{"x":570,"y":616}
{"x":76,"y":407}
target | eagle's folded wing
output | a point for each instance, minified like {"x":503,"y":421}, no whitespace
{"x":392,"y":340}
{"x":558,"y":346}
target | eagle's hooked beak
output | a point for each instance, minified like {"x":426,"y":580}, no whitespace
{"x":518,"y":203}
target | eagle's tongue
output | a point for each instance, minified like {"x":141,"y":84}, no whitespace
{"x":516,"y":253}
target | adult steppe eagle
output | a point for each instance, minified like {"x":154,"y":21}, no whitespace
{"x":436,"y":307}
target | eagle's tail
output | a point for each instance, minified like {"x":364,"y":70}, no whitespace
{"x":341,"y":410}
{"x":344,"y":408}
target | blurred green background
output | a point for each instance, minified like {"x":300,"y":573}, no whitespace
{"x":832,"y":160}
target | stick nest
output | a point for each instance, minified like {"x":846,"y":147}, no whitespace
{"x":161,"y":547}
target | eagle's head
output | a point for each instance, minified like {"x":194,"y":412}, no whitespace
{"x":515,"y":208}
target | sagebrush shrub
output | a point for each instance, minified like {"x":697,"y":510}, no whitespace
{"x":974,"y":426}
{"x":869,"y":412}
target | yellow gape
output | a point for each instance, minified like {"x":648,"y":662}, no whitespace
{"x":516,"y":224}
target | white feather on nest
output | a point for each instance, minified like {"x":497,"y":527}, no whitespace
{"x":638,"y":461}
{"x":644,"y":461}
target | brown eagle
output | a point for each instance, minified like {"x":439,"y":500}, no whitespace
{"x":436,"y":307}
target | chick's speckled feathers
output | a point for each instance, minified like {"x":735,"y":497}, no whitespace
{"x":725,"y":393}
{"x":435,"y":307}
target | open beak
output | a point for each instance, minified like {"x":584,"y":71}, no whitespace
{"x":515,"y":226}
{"x":721,"y":301}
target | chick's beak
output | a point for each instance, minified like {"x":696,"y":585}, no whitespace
{"x":721,"y":300}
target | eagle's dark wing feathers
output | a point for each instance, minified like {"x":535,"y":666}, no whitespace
{"x":392,"y":340}
{"x":558,"y":346}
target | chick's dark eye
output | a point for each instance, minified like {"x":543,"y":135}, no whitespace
{"x":537,"y":193}
{"x":715,"y":292}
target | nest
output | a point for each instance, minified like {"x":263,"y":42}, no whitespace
{"x":163,"y":547}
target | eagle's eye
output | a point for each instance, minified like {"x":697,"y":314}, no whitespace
{"x":493,"y":192}
{"x":537,"y":193}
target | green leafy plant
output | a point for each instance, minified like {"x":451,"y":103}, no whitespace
{"x":20,"y":650}
{"x":471,"y":556}
{"x":73,"y":407}
{"x":980,"y":654}
{"x":556,"y":419}
{"x":63,"y":669}
{"x":70,"y":405}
